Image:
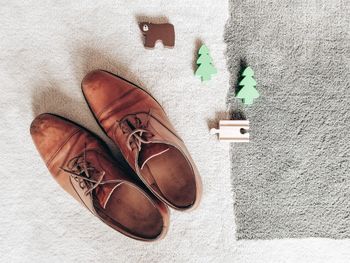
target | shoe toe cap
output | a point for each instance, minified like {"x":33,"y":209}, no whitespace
{"x":49,"y":132}
{"x":104,"y":91}
{"x":100,"y":89}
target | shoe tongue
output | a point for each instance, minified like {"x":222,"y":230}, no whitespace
{"x":149,"y":151}
{"x":104,"y":192}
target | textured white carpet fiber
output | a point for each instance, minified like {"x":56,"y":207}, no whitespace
{"x":46,"y":48}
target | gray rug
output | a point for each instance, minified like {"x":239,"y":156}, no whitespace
{"x":293,"y":178}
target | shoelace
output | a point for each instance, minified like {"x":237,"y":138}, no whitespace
{"x":79,"y":168}
{"x":136,"y":137}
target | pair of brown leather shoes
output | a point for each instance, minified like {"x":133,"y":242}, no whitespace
{"x":82,"y":164}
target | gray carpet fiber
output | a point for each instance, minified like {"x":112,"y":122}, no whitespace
{"x":293,"y":179}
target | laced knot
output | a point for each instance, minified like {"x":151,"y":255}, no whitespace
{"x":82,"y":171}
{"x":136,"y":137}
{"x":135,"y":126}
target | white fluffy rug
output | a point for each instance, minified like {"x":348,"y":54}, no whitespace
{"x":46,"y":48}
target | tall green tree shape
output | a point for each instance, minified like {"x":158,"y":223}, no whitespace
{"x":205,"y":62}
{"x":248,"y":92}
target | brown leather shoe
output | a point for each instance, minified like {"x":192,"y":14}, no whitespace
{"x":135,"y":121}
{"x":81,"y":164}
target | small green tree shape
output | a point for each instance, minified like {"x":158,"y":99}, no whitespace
{"x":248,"y":92}
{"x":205,"y":62}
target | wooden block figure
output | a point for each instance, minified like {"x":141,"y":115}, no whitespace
{"x":206,"y":68}
{"x":154,"y":32}
{"x":248,"y":92}
{"x":232,"y":130}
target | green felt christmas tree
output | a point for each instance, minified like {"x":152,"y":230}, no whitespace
{"x":205,"y":62}
{"x":248,"y":92}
